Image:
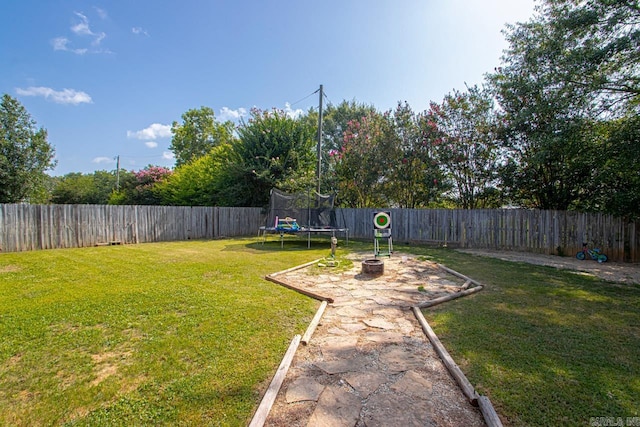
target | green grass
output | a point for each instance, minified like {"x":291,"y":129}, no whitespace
{"x":549,"y":347}
{"x":156,"y":334}
{"x":189,"y":334}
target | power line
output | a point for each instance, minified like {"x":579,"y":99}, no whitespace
{"x":141,"y":157}
{"x":327,"y":98}
{"x":311,"y":94}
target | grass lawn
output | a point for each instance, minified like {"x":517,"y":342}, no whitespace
{"x":155,"y":334}
{"x":189,"y":333}
{"x":549,"y":347}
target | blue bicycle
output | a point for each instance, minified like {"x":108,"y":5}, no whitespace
{"x":594,"y":254}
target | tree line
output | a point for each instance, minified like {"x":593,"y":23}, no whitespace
{"x":555,"y":126}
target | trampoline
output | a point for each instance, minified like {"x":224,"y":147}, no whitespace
{"x":299,"y":214}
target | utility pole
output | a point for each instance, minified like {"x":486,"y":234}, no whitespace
{"x":118,"y":173}
{"x":319,"y":150}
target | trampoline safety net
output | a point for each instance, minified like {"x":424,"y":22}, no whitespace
{"x":310,"y":209}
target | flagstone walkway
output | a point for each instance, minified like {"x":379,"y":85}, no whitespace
{"x":368,"y":362}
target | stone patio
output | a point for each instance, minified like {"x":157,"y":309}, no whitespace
{"x":368,"y":362}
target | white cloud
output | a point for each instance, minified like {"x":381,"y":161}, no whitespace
{"x":98,"y":39}
{"x":64,"y":96}
{"x":167,"y":155}
{"x":151,"y":144}
{"x":140,"y":31}
{"x":62,"y":43}
{"x":292,"y":113}
{"x":101,"y":13}
{"x":82,"y":29}
{"x":154,"y":131}
{"x":228,"y":114}
{"x":103,"y":160}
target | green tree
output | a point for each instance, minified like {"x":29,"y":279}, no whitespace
{"x":613,"y":184}
{"x":567,"y":72}
{"x":336,"y":120}
{"x":198,"y":133}
{"x":359,"y":164}
{"x":273,"y":151}
{"x":413,"y":177}
{"x":545,"y":118}
{"x":25,"y":154}
{"x":335,"y":123}
{"x":463,"y":131}
{"x":598,"y":49}
{"x":141,"y":187}
{"x":201,"y":182}
{"x":79,"y":188}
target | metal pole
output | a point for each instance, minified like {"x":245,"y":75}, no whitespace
{"x":319,"y":150}
{"x":117,"y":173}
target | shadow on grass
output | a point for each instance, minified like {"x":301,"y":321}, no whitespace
{"x":549,"y":347}
{"x":290,"y":244}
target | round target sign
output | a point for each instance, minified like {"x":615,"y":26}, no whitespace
{"x":382,"y":220}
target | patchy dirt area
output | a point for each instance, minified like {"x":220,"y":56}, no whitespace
{"x":369,"y":362}
{"x":9,"y":269}
{"x":612,"y":271}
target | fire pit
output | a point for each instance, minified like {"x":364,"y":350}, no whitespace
{"x":373,"y":267}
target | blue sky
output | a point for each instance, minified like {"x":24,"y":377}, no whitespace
{"x":108,"y":78}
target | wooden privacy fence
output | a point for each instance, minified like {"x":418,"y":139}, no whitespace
{"x":546,"y":232}
{"x":29,"y":227}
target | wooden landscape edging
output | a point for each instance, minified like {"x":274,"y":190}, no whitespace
{"x":460,"y":275}
{"x":450,"y":297}
{"x":448,"y":361}
{"x":489,"y":414}
{"x":314,"y":323}
{"x":271,"y":278}
{"x":261,"y":414}
{"x":272,"y":392}
{"x":464,"y":292}
{"x":297,"y":267}
{"x":299,"y":290}
{"x":486,"y":408}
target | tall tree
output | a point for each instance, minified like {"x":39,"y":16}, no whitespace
{"x":336,"y":120}
{"x":613,"y":184}
{"x":25,"y":153}
{"x":572,"y":66}
{"x":600,"y":41}
{"x":198,"y":133}
{"x":273,"y":150}
{"x":359,"y":164}
{"x":463,"y":132}
{"x":413,"y":175}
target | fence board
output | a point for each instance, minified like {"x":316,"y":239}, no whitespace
{"x":29,"y":227}
{"x":545,"y":232}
